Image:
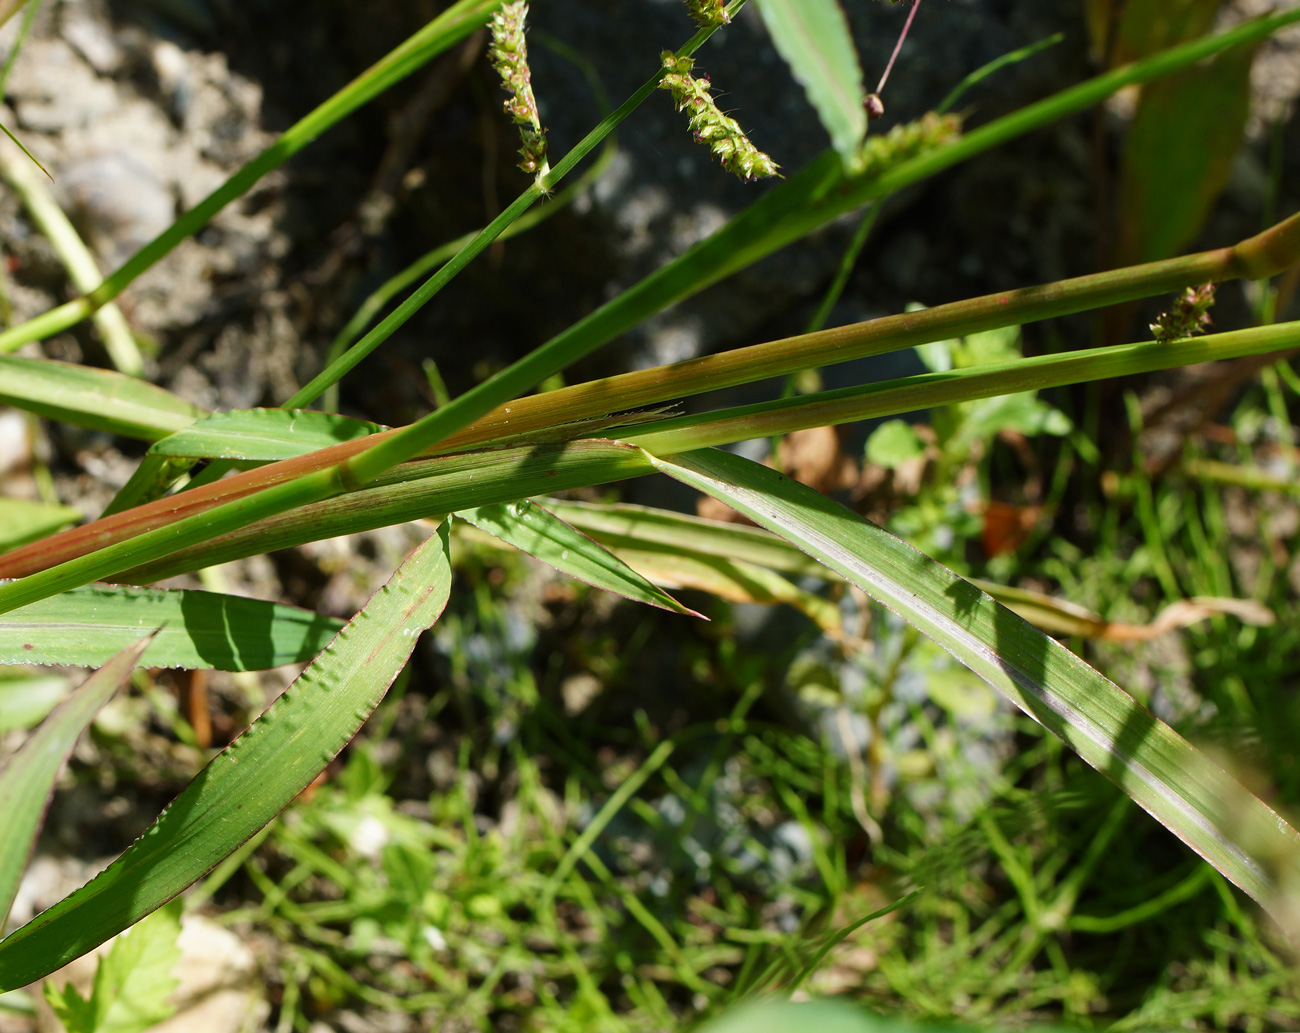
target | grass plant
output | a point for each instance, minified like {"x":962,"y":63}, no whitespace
{"x":672,"y":867}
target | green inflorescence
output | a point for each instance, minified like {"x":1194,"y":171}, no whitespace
{"x":709,"y":14}
{"x":1189,"y":315}
{"x":724,"y":136}
{"x":509,"y":54}
{"x":907,"y":141}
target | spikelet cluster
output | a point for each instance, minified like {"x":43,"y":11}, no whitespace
{"x":1190,"y":314}
{"x":709,"y":14}
{"x":723,"y":135}
{"x":509,"y":55}
{"x":907,"y":141}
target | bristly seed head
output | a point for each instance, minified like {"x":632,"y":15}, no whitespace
{"x":509,"y":56}
{"x":709,"y":14}
{"x":709,"y":125}
{"x":1189,"y":315}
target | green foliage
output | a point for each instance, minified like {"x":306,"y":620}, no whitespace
{"x":814,"y":39}
{"x":132,"y":981}
{"x":646,"y":863}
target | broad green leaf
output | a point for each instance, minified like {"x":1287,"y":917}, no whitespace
{"x":96,"y":398}
{"x":265,"y":435}
{"x":250,"y":781}
{"x":23,"y":521}
{"x":1179,"y":155}
{"x":814,"y":38}
{"x":824,"y":1016}
{"x":26,"y":697}
{"x":1149,"y":26}
{"x":86,"y":626}
{"x":777,"y":1015}
{"x":1211,"y":812}
{"x":546,"y":537}
{"x":893,"y":443}
{"x":28,"y":779}
{"x":132,"y":982}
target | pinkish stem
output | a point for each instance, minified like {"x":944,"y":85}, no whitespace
{"x":899,"y":45}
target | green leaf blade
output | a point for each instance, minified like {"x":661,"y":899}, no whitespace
{"x":132,"y":982}
{"x":23,"y":521}
{"x":814,"y":39}
{"x":28,"y":779}
{"x":531,"y":529}
{"x":263,"y":435}
{"x":252,"y":780}
{"x":86,"y":626}
{"x":1211,"y":812}
{"x":96,"y":398}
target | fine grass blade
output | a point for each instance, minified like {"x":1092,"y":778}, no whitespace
{"x":96,"y":398}
{"x":814,"y":38}
{"x":1213,"y":814}
{"x":546,"y":537}
{"x":627,"y":526}
{"x":28,"y":779}
{"x":252,"y":780}
{"x":733,"y":580}
{"x":86,"y":626}
{"x":23,"y":521}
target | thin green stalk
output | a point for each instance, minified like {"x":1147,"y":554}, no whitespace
{"x":996,"y":65}
{"x":850,"y":259}
{"x":439,"y":256}
{"x":1257,"y":256}
{"x":443,"y":32}
{"x":1250,"y":477}
{"x":77,"y":260}
{"x":930,"y":389}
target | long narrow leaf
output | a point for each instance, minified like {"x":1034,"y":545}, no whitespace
{"x":96,"y":398}
{"x":86,"y":626}
{"x":252,"y":780}
{"x":28,"y":779}
{"x":1245,"y":840}
{"x":814,"y":38}
{"x":546,"y":537}
{"x":264,"y":435}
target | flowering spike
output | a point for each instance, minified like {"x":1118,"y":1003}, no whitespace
{"x":509,"y":55}
{"x":709,"y":14}
{"x":906,"y":141}
{"x":723,"y":135}
{"x":1190,"y":314}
